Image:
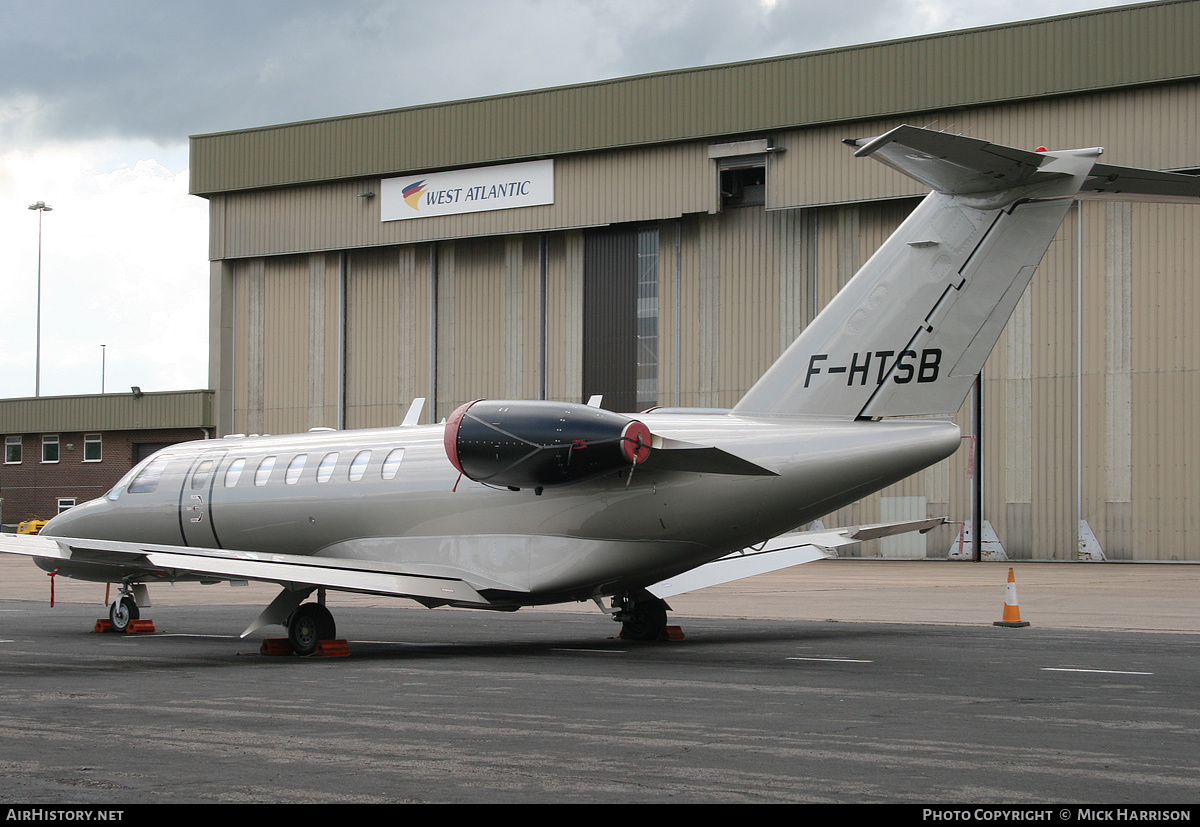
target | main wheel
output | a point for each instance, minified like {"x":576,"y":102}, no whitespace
{"x":647,"y":620}
{"x":122,"y":611}
{"x":309,"y":625}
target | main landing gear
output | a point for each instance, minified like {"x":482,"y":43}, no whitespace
{"x":642,"y":615}
{"x":310,"y":624}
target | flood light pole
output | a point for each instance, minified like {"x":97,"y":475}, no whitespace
{"x":41,"y":207}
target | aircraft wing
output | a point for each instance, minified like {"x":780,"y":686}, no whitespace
{"x":783,"y":552}
{"x":291,"y":571}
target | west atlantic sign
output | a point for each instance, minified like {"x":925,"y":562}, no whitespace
{"x":467,"y":190}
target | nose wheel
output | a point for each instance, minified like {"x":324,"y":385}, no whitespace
{"x":122,"y":612}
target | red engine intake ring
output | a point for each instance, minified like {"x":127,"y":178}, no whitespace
{"x":635,"y":442}
{"x":450,"y":437}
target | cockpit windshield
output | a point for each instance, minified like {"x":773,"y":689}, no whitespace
{"x":142,"y":478}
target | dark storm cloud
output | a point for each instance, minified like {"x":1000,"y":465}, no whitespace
{"x":148,"y":69}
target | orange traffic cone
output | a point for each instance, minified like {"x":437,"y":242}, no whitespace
{"x":1012,"y":612}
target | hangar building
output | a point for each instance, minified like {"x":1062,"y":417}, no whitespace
{"x":660,"y":239}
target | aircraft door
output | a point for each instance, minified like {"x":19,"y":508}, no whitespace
{"x":195,"y":501}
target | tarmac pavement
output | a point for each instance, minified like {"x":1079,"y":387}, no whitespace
{"x":1143,"y":597}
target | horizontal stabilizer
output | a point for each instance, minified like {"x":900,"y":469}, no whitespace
{"x":954,"y":164}
{"x":1111,"y":183}
{"x":783,"y":552}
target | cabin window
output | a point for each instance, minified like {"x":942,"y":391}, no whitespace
{"x":147,"y":481}
{"x":325,"y":469}
{"x":12,"y":450}
{"x":200,"y":476}
{"x":294,"y":469}
{"x":391,"y":463}
{"x":264,"y":471}
{"x":93,"y":447}
{"x":234,"y":472}
{"x":358,"y":466}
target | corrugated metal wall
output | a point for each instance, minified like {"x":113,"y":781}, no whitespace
{"x":604,"y":188}
{"x":107,"y":412}
{"x":651,"y":183}
{"x":748,"y":279}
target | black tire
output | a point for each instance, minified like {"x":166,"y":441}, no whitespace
{"x":122,"y":612}
{"x":647,"y":620}
{"x":309,"y":625}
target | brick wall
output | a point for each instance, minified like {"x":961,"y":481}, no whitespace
{"x":32,"y":488}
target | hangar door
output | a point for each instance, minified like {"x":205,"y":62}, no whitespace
{"x":620,"y":316}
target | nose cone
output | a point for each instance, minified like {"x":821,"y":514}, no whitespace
{"x":83,"y":520}
{"x":136,"y":518}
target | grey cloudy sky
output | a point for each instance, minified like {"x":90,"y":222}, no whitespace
{"x":151,"y":69}
{"x":97,"y":100}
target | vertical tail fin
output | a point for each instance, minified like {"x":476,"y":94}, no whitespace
{"x":910,"y":331}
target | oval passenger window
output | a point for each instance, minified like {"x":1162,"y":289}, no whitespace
{"x":391,"y":463}
{"x":359,"y":466}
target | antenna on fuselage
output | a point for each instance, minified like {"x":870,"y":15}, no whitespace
{"x":414,"y":412}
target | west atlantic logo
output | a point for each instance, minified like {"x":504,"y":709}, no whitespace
{"x":412,"y":194}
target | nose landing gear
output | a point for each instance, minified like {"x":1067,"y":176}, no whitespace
{"x":122,"y":612}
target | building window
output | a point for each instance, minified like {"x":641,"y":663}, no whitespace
{"x":647,"y":318}
{"x":65,"y":503}
{"x":50,"y":448}
{"x":93,"y":448}
{"x":12,"y":450}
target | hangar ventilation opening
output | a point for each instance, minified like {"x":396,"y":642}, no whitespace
{"x":744,"y":183}
{"x":742,"y":172}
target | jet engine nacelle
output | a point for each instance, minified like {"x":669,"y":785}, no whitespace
{"x":536,"y":444}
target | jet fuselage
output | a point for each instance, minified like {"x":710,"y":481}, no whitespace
{"x":392,"y":496}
